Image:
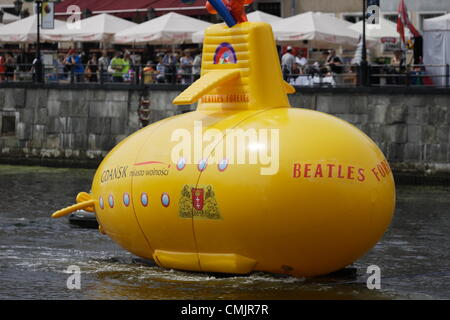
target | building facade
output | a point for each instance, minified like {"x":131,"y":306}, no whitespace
{"x":16,"y":7}
{"x":351,"y":10}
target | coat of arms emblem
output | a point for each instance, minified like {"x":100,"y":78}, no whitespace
{"x":198,"y":201}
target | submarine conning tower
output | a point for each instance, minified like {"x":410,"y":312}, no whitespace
{"x":240,"y":70}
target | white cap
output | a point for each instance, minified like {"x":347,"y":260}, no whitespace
{"x":289,"y":48}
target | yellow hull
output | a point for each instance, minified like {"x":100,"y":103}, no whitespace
{"x":327,"y":205}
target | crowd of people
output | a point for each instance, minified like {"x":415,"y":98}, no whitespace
{"x":298,"y":71}
{"x":331,"y":70}
{"x":166,"y":67}
{"x":184,"y":66}
{"x":170,"y":66}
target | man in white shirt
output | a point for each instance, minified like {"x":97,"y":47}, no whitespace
{"x":300,"y":59}
{"x":287,"y":61}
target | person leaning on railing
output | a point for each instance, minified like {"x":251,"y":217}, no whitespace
{"x":160,"y":70}
{"x":149,"y":72}
{"x":10,"y":66}
{"x":127,"y":70}
{"x":397,"y":68}
{"x":68,"y":63}
{"x":59,"y":68}
{"x":170,"y":66}
{"x":335,"y":65}
{"x":196,"y":65}
{"x":92,"y":68}
{"x":186,"y":67}
{"x":300,"y":76}
{"x":103,"y":65}
{"x":117,"y":66}
{"x":2,"y":68}
{"x":76,"y":65}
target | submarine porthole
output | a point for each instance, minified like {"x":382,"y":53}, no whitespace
{"x":126,"y":199}
{"x":223,"y":164}
{"x":202,"y":165}
{"x":111,"y":201}
{"x":165,"y":199}
{"x":144,"y":199}
{"x":181,"y":164}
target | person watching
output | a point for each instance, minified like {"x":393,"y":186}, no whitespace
{"x":117,"y":67}
{"x":335,"y":65}
{"x":287,"y":62}
{"x":103,"y":64}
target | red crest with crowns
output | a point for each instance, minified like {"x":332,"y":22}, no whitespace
{"x":197,"y":198}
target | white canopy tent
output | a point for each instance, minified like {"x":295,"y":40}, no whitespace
{"x":436,"y":47}
{"x":321,"y":30}
{"x":386,"y":31}
{"x":23,"y":31}
{"x":99,"y":28}
{"x":171,"y":28}
{"x":255,"y":16}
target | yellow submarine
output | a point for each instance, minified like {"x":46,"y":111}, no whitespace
{"x":245,"y":183}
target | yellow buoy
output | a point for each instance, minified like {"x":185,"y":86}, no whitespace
{"x":245,"y":183}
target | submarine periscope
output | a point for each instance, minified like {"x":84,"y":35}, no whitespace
{"x":246,"y":182}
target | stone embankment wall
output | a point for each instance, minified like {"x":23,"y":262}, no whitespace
{"x":412,"y":129}
{"x":78,"y":126}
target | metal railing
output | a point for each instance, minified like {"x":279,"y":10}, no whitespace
{"x":378,"y":75}
{"x":100,"y":74}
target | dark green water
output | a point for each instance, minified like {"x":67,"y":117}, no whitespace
{"x":35,"y":251}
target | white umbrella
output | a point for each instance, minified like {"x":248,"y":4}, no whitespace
{"x":386,"y":31}
{"x":260,"y":16}
{"x":23,"y":31}
{"x":99,"y":28}
{"x":321,"y":30}
{"x":171,"y":28}
{"x":8,"y":18}
{"x":255,"y":16}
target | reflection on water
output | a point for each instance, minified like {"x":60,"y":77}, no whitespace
{"x":35,"y":251}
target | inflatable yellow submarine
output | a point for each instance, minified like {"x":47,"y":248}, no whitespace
{"x":245,"y":183}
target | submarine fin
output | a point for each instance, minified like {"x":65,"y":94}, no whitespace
{"x":83,"y":197}
{"x":84,"y":201}
{"x":75,"y":207}
{"x":205,"y":84}
{"x":288,"y":88}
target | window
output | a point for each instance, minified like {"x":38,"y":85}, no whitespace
{"x":273,"y":8}
{"x":352,"y":17}
{"x":8,"y":126}
{"x":391,"y":17}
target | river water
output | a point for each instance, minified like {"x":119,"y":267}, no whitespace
{"x":35,"y":252}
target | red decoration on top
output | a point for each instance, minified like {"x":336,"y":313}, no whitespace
{"x":236,"y":7}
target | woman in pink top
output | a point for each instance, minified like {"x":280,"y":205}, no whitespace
{"x":2,"y":68}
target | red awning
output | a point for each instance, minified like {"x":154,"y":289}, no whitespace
{"x":128,"y":8}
